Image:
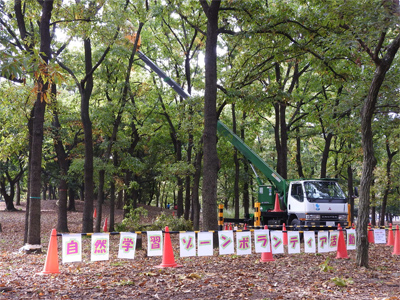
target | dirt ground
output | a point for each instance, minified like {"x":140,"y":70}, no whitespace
{"x":295,"y":276}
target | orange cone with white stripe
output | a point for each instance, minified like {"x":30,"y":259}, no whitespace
{"x":341,"y":248}
{"x":168,"y":260}
{"x":51,"y":264}
{"x":396,"y":248}
{"x":105,"y":225}
{"x":390,"y":241}
{"x":277,"y":207}
{"x":267,"y":256}
{"x":371,"y":239}
{"x":284,"y":231}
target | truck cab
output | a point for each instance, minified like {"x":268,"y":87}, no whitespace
{"x":319,"y":202}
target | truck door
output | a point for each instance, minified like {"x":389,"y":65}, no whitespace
{"x":296,"y":201}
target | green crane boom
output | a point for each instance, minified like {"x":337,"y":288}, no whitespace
{"x":279,"y":183}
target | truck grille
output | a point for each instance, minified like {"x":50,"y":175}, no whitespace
{"x":328,"y":217}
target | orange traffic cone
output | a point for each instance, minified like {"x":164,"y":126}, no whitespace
{"x":390,"y":241}
{"x":226,"y":227}
{"x":230,"y":226}
{"x":245,"y":226}
{"x":370,"y":234}
{"x":168,"y":260}
{"x":267,"y":256}
{"x":284,"y":231}
{"x":396,"y":248}
{"x":277,"y":207}
{"x":95,"y":213}
{"x":105,"y":225}
{"x":341,"y":248}
{"x":51,"y":264}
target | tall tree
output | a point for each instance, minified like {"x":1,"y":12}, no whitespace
{"x":9,"y":179}
{"x":63,"y":163}
{"x":85,"y":88}
{"x":382,"y":65}
{"x":43,"y":90}
{"x":211,"y":161}
{"x":112,"y":138}
{"x":390,"y":155}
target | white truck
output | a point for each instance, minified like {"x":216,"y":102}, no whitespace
{"x":302,"y":202}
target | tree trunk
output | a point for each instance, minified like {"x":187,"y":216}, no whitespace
{"x":179,"y":211}
{"x":369,"y":163}
{"x":100,"y":200}
{"x":120,"y":197}
{"x":188,"y":197}
{"x":246,"y":184}
{"x":50,"y":191}
{"x":18,"y":193}
{"x":237,"y":170}
{"x":112,"y":206}
{"x":127,"y":194}
{"x":28,"y":202}
{"x":280,"y":130}
{"x":390,"y":155}
{"x":369,"y":160}
{"x":350,"y":189}
{"x":325,"y":154}
{"x":195,"y":191}
{"x":284,"y":140}
{"x":71,"y":200}
{"x":86,"y":92}
{"x":8,"y":197}
{"x":281,"y":139}
{"x":298,"y":155}
{"x":211,"y":161}
{"x":62,"y":223}
{"x":35,"y":169}
{"x":44,"y":191}
{"x":373,"y":212}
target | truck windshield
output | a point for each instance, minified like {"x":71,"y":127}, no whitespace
{"x":324,"y":191}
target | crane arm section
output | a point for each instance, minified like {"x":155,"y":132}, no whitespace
{"x":279,"y":183}
{"x":162,"y":75}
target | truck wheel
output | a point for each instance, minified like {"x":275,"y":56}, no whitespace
{"x":295,"y":223}
{"x":297,"y":227}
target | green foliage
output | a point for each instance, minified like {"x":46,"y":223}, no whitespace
{"x":341,"y":281}
{"x":125,"y":283}
{"x":132,"y":221}
{"x":325,"y":267}
{"x":173,"y":223}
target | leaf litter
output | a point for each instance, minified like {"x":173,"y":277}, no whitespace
{"x":295,"y":276}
